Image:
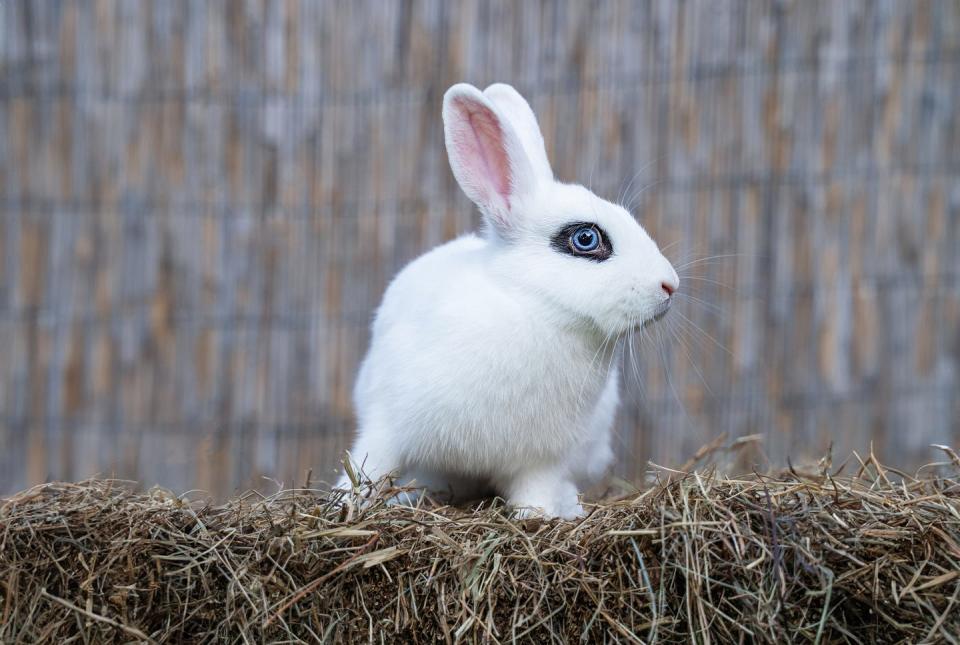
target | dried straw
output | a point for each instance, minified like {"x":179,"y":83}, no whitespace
{"x":873,"y":556}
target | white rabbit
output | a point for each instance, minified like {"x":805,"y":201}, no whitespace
{"x":492,"y":361}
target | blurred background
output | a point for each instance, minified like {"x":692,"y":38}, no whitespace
{"x":202,"y":202}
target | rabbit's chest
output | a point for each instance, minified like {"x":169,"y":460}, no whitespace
{"x":533,"y":402}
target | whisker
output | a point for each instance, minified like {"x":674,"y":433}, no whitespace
{"x":711,"y":281}
{"x":631,"y":368}
{"x":701,"y":330}
{"x":635,"y":363}
{"x":697,"y":341}
{"x":709,"y":305}
{"x":601,"y":351}
{"x":683,"y":348}
{"x":663,"y":251}
{"x":624,"y":189}
{"x":623,"y":193}
{"x":642,"y":336}
{"x":710,"y":259}
{"x":692,"y":254}
{"x":593,"y":167}
{"x":635,"y":198}
{"x":666,"y":369}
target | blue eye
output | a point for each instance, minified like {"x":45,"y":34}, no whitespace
{"x":585,"y":239}
{"x":582,"y":240}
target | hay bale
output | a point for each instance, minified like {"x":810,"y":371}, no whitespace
{"x":870,"y":557}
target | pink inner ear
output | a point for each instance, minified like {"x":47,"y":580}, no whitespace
{"x":482,"y":151}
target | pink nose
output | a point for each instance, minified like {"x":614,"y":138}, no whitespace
{"x":669,"y":288}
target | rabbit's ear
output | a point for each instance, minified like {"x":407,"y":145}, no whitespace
{"x":486,"y":155}
{"x":516,"y":109}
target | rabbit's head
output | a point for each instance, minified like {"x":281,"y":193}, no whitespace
{"x":587,"y":257}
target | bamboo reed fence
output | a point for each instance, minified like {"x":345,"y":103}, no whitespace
{"x":202,"y":202}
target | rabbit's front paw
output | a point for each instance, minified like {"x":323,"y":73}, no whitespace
{"x":544,"y":494}
{"x":567,"y":512}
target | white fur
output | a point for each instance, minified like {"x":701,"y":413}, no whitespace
{"x":492,"y":361}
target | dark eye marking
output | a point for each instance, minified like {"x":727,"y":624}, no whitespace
{"x":582,"y":240}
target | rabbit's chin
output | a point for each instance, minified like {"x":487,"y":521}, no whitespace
{"x":658,"y":314}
